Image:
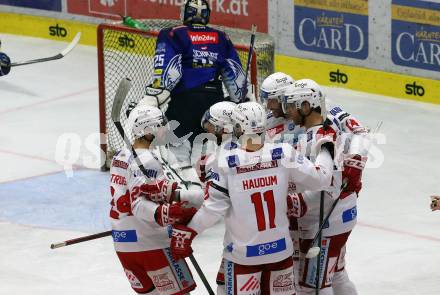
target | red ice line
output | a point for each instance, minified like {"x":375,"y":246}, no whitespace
{"x":64,"y":96}
{"x":400,"y":232}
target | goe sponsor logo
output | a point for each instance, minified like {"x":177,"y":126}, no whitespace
{"x":266,"y":248}
{"x":58,"y":31}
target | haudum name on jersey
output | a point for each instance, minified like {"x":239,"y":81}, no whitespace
{"x":259,"y":182}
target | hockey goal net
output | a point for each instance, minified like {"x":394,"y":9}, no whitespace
{"x":128,"y":52}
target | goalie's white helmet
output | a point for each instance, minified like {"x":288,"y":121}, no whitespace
{"x":145,"y":119}
{"x":219,"y":115}
{"x":249,"y":118}
{"x":273,"y":86}
{"x":304,"y":90}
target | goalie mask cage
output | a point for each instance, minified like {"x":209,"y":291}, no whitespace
{"x":128,"y":52}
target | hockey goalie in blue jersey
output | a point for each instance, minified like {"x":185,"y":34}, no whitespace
{"x":5,"y":63}
{"x":193,"y":61}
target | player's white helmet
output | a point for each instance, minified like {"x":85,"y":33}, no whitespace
{"x":219,"y":115}
{"x":249,"y":118}
{"x":304,"y":90}
{"x":274,"y":85}
{"x":145,"y":119}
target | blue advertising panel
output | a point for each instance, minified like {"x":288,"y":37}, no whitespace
{"x":53,"y":5}
{"x":334,"y":27}
{"x":416,"y":34}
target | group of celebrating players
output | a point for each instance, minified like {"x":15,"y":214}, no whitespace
{"x":270,"y":169}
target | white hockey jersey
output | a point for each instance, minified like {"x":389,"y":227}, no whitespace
{"x":249,"y":190}
{"x":344,"y":216}
{"x":132,"y":216}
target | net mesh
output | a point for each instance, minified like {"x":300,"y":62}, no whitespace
{"x":126,"y":52}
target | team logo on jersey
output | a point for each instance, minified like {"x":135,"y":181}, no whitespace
{"x":256,"y":167}
{"x":233,"y":161}
{"x":349,"y":215}
{"x":199,"y":38}
{"x":277,"y":154}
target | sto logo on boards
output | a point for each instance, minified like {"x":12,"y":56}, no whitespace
{"x":414,"y":89}
{"x":57,"y":31}
{"x":127,"y":42}
{"x":338,"y":77}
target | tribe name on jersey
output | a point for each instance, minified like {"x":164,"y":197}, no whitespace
{"x":190,"y":56}
{"x":249,"y":189}
{"x":132,"y":216}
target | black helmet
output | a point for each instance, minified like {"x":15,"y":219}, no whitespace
{"x":195,"y":12}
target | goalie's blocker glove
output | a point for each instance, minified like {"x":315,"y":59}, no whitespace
{"x":156,"y":97}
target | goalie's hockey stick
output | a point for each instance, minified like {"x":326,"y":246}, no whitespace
{"x":81,"y":239}
{"x":55,"y":57}
{"x":121,"y":94}
{"x":249,"y":59}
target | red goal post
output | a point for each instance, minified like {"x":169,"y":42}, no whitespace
{"x":128,"y":52}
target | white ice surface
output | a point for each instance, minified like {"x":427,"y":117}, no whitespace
{"x":393,"y":250}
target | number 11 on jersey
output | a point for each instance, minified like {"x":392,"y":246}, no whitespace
{"x":257,"y":200}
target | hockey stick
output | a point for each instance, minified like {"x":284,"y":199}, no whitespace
{"x":248,"y":65}
{"x":314,"y":251}
{"x":55,"y":57}
{"x":81,"y":239}
{"x":121,"y":94}
{"x":321,"y":225}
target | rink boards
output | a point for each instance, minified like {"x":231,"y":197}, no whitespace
{"x":329,"y":74}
